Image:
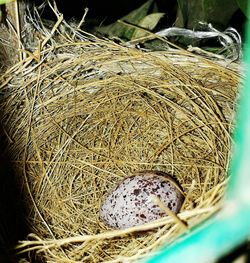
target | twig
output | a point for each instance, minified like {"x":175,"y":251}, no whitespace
{"x":18,"y":29}
{"x":158,"y":202}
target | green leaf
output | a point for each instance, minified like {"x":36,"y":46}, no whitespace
{"x":134,"y":17}
{"x":243,"y":6}
{"x":182,"y":13}
{"x":148,"y":22}
{"x":217,"y":12}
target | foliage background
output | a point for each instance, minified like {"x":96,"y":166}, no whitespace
{"x":180,"y":13}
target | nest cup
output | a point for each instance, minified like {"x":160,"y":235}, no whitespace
{"x":85,"y":115}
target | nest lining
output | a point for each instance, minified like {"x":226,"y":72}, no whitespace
{"x":88,"y":114}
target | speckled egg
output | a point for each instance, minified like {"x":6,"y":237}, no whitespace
{"x":130,"y":203}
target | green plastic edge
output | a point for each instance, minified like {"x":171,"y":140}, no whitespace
{"x":231,"y":227}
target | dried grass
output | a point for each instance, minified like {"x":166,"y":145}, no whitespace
{"x":82,"y":115}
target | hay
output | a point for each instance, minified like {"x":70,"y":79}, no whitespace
{"x":82,"y":115}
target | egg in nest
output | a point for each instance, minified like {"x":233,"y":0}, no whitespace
{"x":130,"y":203}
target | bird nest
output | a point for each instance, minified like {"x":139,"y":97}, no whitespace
{"x":80,"y":116}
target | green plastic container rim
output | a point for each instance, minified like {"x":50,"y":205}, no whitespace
{"x":231,"y":227}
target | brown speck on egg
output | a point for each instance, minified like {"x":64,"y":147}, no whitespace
{"x":130,"y":204}
{"x":137,"y":191}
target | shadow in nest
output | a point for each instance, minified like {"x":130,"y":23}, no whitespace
{"x":13,"y":226}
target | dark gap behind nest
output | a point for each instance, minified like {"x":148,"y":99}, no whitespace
{"x":13,"y":212}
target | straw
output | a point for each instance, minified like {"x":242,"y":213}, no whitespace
{"x":83,"y":115}
{"x":231,"y":227}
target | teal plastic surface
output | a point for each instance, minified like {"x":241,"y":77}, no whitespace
{"x":231,"y":227}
